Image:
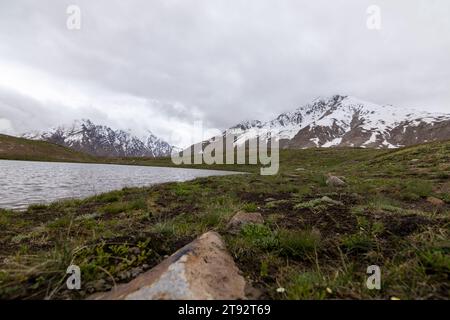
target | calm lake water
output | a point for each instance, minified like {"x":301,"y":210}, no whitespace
{"x":28,"y":182}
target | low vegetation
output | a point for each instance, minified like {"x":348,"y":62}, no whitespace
{"x":316,"y":243}
{"x":13,"y":148}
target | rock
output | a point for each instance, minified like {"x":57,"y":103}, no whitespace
{"x":435,"y":201}
{"x":331,"y":201}
{"x":356,"y":196}
{"x":124,"y":275}
{"x":241,"y":219}
{"x":136,"y":271}
{"x":202,"y":270}
{"x":135,"y":250}
{"x":97,"y":285}
{"x":334,"y":181}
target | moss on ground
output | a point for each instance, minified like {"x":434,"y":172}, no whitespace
{"x":316,"y":243}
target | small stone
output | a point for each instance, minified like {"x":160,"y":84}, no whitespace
{"x":435,"y":201}
{"x":356,"y":196}
{"x":334,"y":181}
{"x":124,"y":275}
{"x":300,"y":169}
{"x":99,"y":284}
{"x":281,"y":290}
{"x":136,"y":251}
{"x":329,"y":200}
{"x":136,"y":271}
{"x":241,"y":219}
{"x":252,"y":293}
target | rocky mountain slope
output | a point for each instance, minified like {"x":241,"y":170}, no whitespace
{"x":347,"y":121}
{"x":98,"y":140}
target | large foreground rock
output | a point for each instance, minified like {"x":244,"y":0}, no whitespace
{"x":201,"y":270}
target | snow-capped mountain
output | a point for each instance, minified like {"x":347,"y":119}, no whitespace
{"x":348,"y":121}
{"x":98,"y":140}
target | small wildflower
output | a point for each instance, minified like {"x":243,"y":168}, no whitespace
{"x":281,"y":290}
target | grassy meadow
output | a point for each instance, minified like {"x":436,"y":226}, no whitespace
{"x":316,"y":243}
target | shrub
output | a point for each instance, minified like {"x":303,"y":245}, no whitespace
{"x":108,"y":197}
{"x":250,"y":207}
{"x":357,"y":243}
{"x":297,"y":243}
{"x":306,"y":285}
{"x":435,"y":261}
{"x":417,"y":189}
{"x":260,"y":236}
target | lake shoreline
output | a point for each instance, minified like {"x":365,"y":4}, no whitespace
{"x":27,"y":182}
{"x":316,"y":240}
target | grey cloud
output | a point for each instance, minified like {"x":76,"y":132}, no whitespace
{"x":228,"y":61}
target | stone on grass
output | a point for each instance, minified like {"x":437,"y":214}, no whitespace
{"x":241,"y":219}
{"x":334,"y":181}
{"x":202,"y":270}
{"x":331,"y":201}
{"x":435,"y":201}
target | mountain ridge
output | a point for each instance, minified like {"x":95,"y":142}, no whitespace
{"x":102,"y":141}
{"x":339,"y":120}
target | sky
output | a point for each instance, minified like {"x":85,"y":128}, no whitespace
{"x":164,"y":65}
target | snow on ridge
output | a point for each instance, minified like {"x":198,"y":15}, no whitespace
{"x":344,"y":113}
{"x":332,"y":143}
{"x":84,"y":134}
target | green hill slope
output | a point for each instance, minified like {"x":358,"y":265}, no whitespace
{"x":13,"y":148}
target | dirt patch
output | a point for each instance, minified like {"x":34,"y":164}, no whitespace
{"x":261,"y":197}
{"x":335,"y":219}
{"x":404,"y":225}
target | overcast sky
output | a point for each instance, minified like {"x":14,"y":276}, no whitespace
{"x":161,"y":65}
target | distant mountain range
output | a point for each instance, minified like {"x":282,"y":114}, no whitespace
{"x":339,"y":121}
{"x":102,"y":141}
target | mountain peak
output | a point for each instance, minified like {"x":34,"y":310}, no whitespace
{"x":100,"y":140}
{"x":247,"y":124}
{"x":342,"y":120}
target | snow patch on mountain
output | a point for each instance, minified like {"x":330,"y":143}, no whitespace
{"x":84,"y":135}
{"x":344,"y":121}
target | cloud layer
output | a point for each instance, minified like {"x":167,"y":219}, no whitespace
{"x":160,"y":65}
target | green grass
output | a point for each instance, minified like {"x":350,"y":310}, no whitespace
{"x":13,"y":148}
{"x":316,"y":242}
{"x":299,"y":242}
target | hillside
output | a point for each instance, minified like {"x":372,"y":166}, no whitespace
{"x":316,"y":240}
{"x":14,"y":148}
